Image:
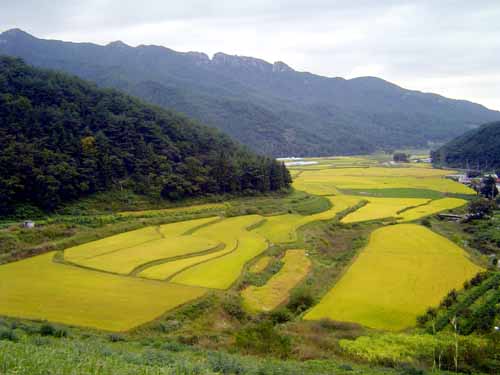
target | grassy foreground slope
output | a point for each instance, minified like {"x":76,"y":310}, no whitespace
{"x":396,"y":278}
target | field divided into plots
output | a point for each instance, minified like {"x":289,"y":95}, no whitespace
{"x":39,"y":288}
{"x":283,"y":228}
{"x":128,"y":279}
{"x":332,"y":181}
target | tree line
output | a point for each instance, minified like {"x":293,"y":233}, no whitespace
{"x":62,"y":138}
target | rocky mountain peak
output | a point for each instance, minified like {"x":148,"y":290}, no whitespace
{"x":280,"y":66}
{"x":118,"y":44}
{"x":241,"y":62}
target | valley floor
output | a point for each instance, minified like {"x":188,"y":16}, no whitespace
{"x":308,"y":275}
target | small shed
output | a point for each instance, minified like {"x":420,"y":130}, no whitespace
{"x":28,"y":224}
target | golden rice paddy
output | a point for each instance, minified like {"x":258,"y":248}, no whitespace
{"x":404,"y":269}
{"x":330,"y":181}
{"x":431,"y":208}
{"x":38,"y":288}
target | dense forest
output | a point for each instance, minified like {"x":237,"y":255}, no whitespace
{"x":477,"y":149}
{"x":62,"y":138}
{"x":269,"y":107}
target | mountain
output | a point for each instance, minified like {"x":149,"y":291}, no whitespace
{"x":62,"y":138}
{"x":478,"y":149}
{"x":270,"y":107}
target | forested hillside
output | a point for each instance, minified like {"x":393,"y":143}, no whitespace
{"x":478,"y":148}
{"x":270,"y":107}
{"x":62,"y":138}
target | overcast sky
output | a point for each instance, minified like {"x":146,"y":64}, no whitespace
{"x":451,"y":47}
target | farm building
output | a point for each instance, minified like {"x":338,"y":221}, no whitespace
{"x":28,"y":224}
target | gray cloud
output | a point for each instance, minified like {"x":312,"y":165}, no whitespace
{"x":449,"y":47}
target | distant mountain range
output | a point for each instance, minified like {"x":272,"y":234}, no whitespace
{"x":270,"y":107}
{"x":476,"y":149}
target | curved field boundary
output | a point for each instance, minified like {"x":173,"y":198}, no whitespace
{"x":283,"y":228}
{"x":168,"y":242}
{"x":431,"y":208}
{"x":396,"y":278}
{"x":157,"y":262}
{"x":167,"y":270}
{"x":230,"y":231}
{"x":222,"y":272}
{"x":381,"y":208}
{"x":38,"y":288}
{"x":277,"y":290}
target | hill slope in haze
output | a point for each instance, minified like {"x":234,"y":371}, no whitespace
{"x":62,"y":138}
{"x":270,"y":107}
{"x":478,"y":148}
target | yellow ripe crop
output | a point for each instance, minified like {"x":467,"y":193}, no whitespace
{"x":260,"y":265}
{"x":431,"y":208}
{"x":380,"y":208}
{"x":125,"y":252}
{"x":221,"y":273}
{"x":38,"y":288}
{"x":240,"y":247}
{"x":182,"y":227}
{"x":283,"y":228}
{"x":404,"y":269}
{"x":329,"y":181}
{"x":124,"y":261}
{"x":165,"y":271}
{"x":277,"y":290}
{"x":111,"y":244}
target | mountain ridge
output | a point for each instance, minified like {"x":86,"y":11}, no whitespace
{"x":271,"y":107}
{"x":477,"y":149}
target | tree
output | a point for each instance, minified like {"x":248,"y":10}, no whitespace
{"x":481,"y":207}
{"x":488,"y":188}
{"x":400,"y":157}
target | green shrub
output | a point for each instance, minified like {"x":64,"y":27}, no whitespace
{"x":115,"y":337}
{"x":300,"y":300}
{"x":281,"y":315}
{"x":232,"y":304}
{"x":426,"y":223}
{"x":263,"y":338}
{"x":7,"y":334}
{"x":48,"y":329}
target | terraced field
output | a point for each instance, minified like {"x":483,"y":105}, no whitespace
{"x":380,"y":208}
{"x":330,"y":181}
{"x":277,"y":290}
{"x":125,"y":252}
{"x":283,"y":228}
{"x":404,"y":269}
{"x":221,"y":268}
{"x":38,"y":288}
{"x":141,"y":274}
{"x":433,"y":207}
